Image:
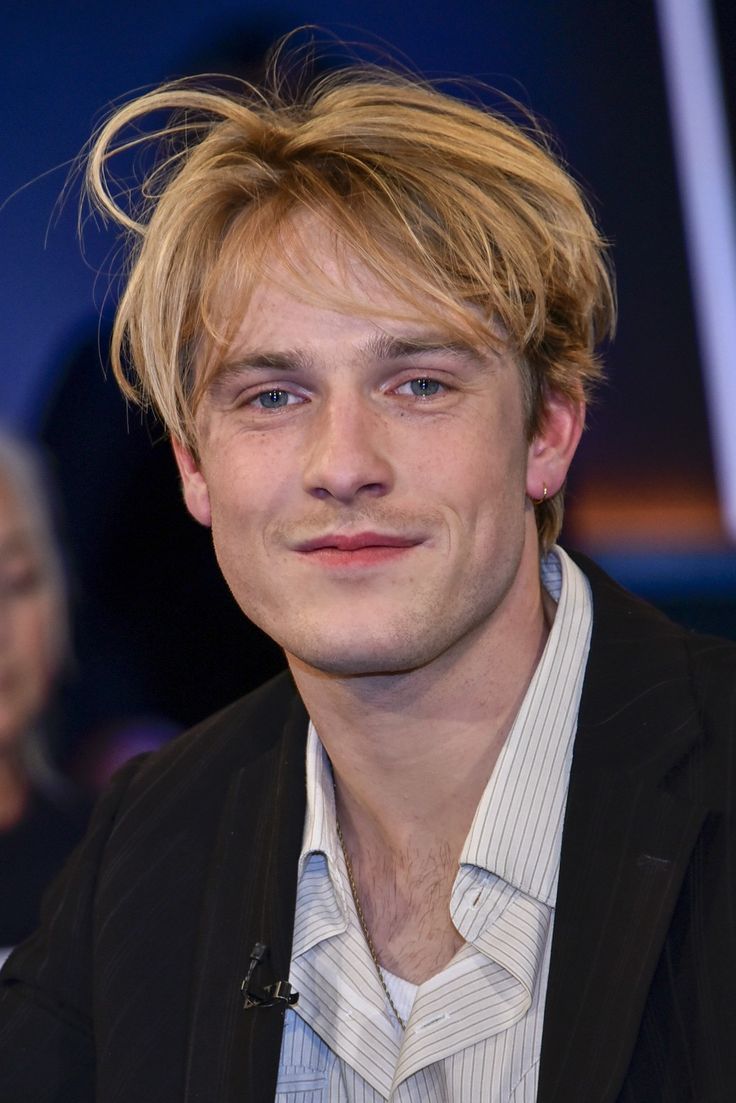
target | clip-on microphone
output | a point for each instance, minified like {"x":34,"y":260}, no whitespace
{"x":268,"y":995}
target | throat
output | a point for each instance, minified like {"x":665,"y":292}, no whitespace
{"x":403,"y":909}
{"x":421,"y":951}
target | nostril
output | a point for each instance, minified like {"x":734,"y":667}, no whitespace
{"x":349,"y":491}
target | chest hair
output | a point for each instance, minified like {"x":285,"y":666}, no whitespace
{"x":406,"y":900}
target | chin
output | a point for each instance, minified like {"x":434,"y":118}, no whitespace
{"x":362,"y":667}
{"x":346,"y":658}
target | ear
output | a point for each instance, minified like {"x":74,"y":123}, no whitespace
{"x":194,"y":486}
{"x":552,"y":449}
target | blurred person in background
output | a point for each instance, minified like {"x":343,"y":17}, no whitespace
{"x":41,"y":817}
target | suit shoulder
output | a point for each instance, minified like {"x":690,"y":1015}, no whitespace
{"x":713,"y":666}
{"x":695,"y":670}
{"x":608,"y":594}
{"x":234,"y":736}
{"x":713,"y":653}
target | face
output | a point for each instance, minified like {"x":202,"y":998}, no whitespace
{"x":28,"y":609}
{"x":366,"y":480}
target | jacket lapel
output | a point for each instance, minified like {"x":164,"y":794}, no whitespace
{"x":250,"y":897}
{"x":630,"y":825}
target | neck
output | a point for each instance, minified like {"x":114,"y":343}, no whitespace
{"x":412,"y":752}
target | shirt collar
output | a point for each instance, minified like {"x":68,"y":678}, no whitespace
{"x":320,"y":834}
{"x":517,"y":828}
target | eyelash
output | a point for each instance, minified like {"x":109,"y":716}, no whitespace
{"x":424,"y":381}
{"x":271,"y":392}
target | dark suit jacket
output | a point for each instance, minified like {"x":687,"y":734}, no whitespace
{"x":131,"y":990}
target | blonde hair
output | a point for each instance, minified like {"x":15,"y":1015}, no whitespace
{"x":449,"y":204}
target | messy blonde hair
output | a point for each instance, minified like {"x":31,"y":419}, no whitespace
{"x":453,"y":206}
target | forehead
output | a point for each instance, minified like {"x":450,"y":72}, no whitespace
{"x":278,"y":317}
{"x":312,"y":286}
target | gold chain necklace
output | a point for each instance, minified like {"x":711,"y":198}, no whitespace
{"x":364,"y":925}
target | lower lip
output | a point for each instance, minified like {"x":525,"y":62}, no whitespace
{"x":360,"y":557}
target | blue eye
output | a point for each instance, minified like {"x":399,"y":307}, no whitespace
{"x":423,"y":388}
{"x":273,"y":400}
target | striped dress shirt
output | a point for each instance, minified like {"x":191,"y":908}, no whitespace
{"x":474,"y":1030}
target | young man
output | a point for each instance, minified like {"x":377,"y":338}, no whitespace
{"x":477,"y":844}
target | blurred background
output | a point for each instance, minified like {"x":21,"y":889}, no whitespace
{"x":640,"y":97}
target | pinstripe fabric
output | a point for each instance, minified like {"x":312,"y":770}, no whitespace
{"x":474,"y":1030}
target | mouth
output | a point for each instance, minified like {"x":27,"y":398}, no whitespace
{"x":358,"y":549}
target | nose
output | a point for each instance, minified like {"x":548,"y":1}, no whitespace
{"x":347,"y":455}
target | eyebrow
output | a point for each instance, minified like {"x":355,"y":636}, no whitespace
{"x":382,"y":347}
{"x":288,"y":361}
{"x":263,"y":361}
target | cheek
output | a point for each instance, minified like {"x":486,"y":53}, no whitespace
{"x":485,"y":475}
{"x":244,"y":511}
{"x":39,"y":633}
{"x":35,"y":646}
